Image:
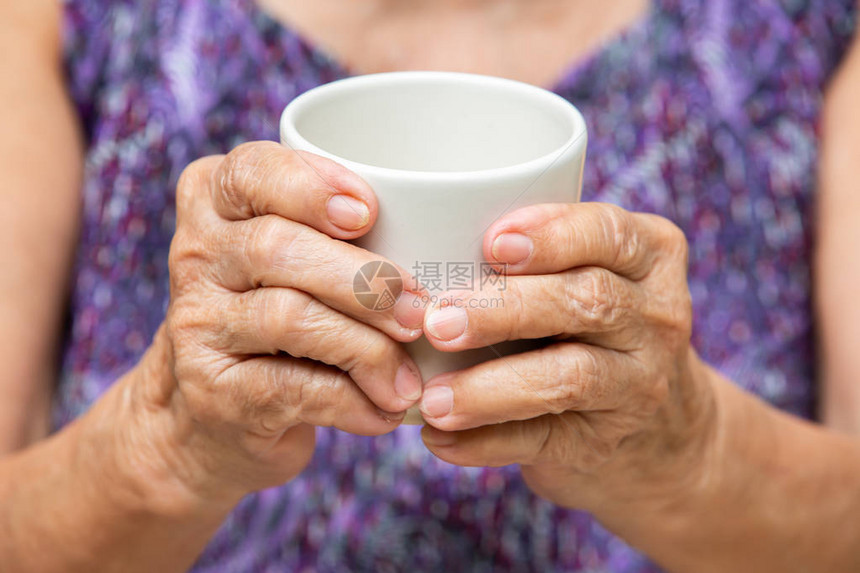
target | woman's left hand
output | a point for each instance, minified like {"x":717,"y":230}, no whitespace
{"x":618,"y":404}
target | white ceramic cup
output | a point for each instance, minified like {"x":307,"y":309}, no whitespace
{"x":446,"y":154}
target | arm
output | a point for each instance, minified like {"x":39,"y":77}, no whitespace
{"x":837,"y":268}
{"x":625,"y":421}
{"x":714,"y":479}
{"x":773,"y":494}
{"x":212,"y":412}
{"x":783,"y":494}
{"x":40,"y":160}
{"x":102,"y":495}
{"x":143,"y":480}
{"x":53,"y":492}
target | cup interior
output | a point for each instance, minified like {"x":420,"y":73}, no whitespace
{"x":435,"y":122}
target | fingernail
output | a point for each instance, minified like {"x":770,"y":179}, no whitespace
{"x":438,"y":401}
{"x":407,"y":383}
{"x":447,"y":323}
{"x":347,"y":212}
{"x":392,"y":416}
{"x":512,"y":248}
{"x":435,"y":437}
{"x":409,"y":311}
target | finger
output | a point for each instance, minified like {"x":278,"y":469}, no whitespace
{"x":591,"y":303}
{"x":271,"y":394}
{"x":272,"y":251}
{"x":193,"y":194}
{"x":553,"y":237}
{"x":568,"y":439}
{"x":269,"y":320}
{"x":564,"y":376}
{"x":265,"y":178}
{"x":488,"y":446}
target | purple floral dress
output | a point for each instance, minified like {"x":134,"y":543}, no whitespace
{"x":704,"y":112}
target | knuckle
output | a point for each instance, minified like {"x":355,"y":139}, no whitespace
{"x":185,"y":262}
{"x":567,"y":391}
{"x":669,"y":240}
{"x":193,"y":181}
{"x":194,"y":360}
{"x":187,"y":325}
{"x":374,"y":354}
{"x":582,"y":371}
{"x":231,"y":177}
{"x":192,"y":249}
{"x":673,"y":237}
{"x":308,"y":326}
{"x":672,"y":315}
{"x":573,"y":441}
{"x":562,"y":396}
{"x":617,"y":218}
{"x":263,"y":402}
{"x":681,"y":315}
{"x":272,"y":310}
{"x":611,"y":231}
{"x":320,"y":391}
{"x":270,"y":242}
{"x":369,"y":363}
{"x":177,"y":334}
{"x":670,"y":288}
{"x":620,"y":231}
{"x":265,"y":239}
{"x":238,"y":173}
{"x":591,"y":299}
{"x":311,"y":329}
{"x":176,"y":258}
{"x":674,"y":246}
{"x":310,"y":315}
{"x":179,"y":319}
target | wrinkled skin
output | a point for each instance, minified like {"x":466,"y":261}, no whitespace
{"x":265,"y":339}
{"x":617,"y":394}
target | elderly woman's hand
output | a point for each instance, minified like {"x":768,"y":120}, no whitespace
{"x":618,"y":401}
{"x":264,"y":338}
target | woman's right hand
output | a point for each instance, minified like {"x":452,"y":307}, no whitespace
{"x":264,"y":338}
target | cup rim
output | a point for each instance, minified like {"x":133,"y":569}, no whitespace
{"x":298,"y":105}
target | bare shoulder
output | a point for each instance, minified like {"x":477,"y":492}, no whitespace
{"x":836,"y":265}
{"x":38,"y":212}
{"x":841,"y":115}
{"x":30,"y":28}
